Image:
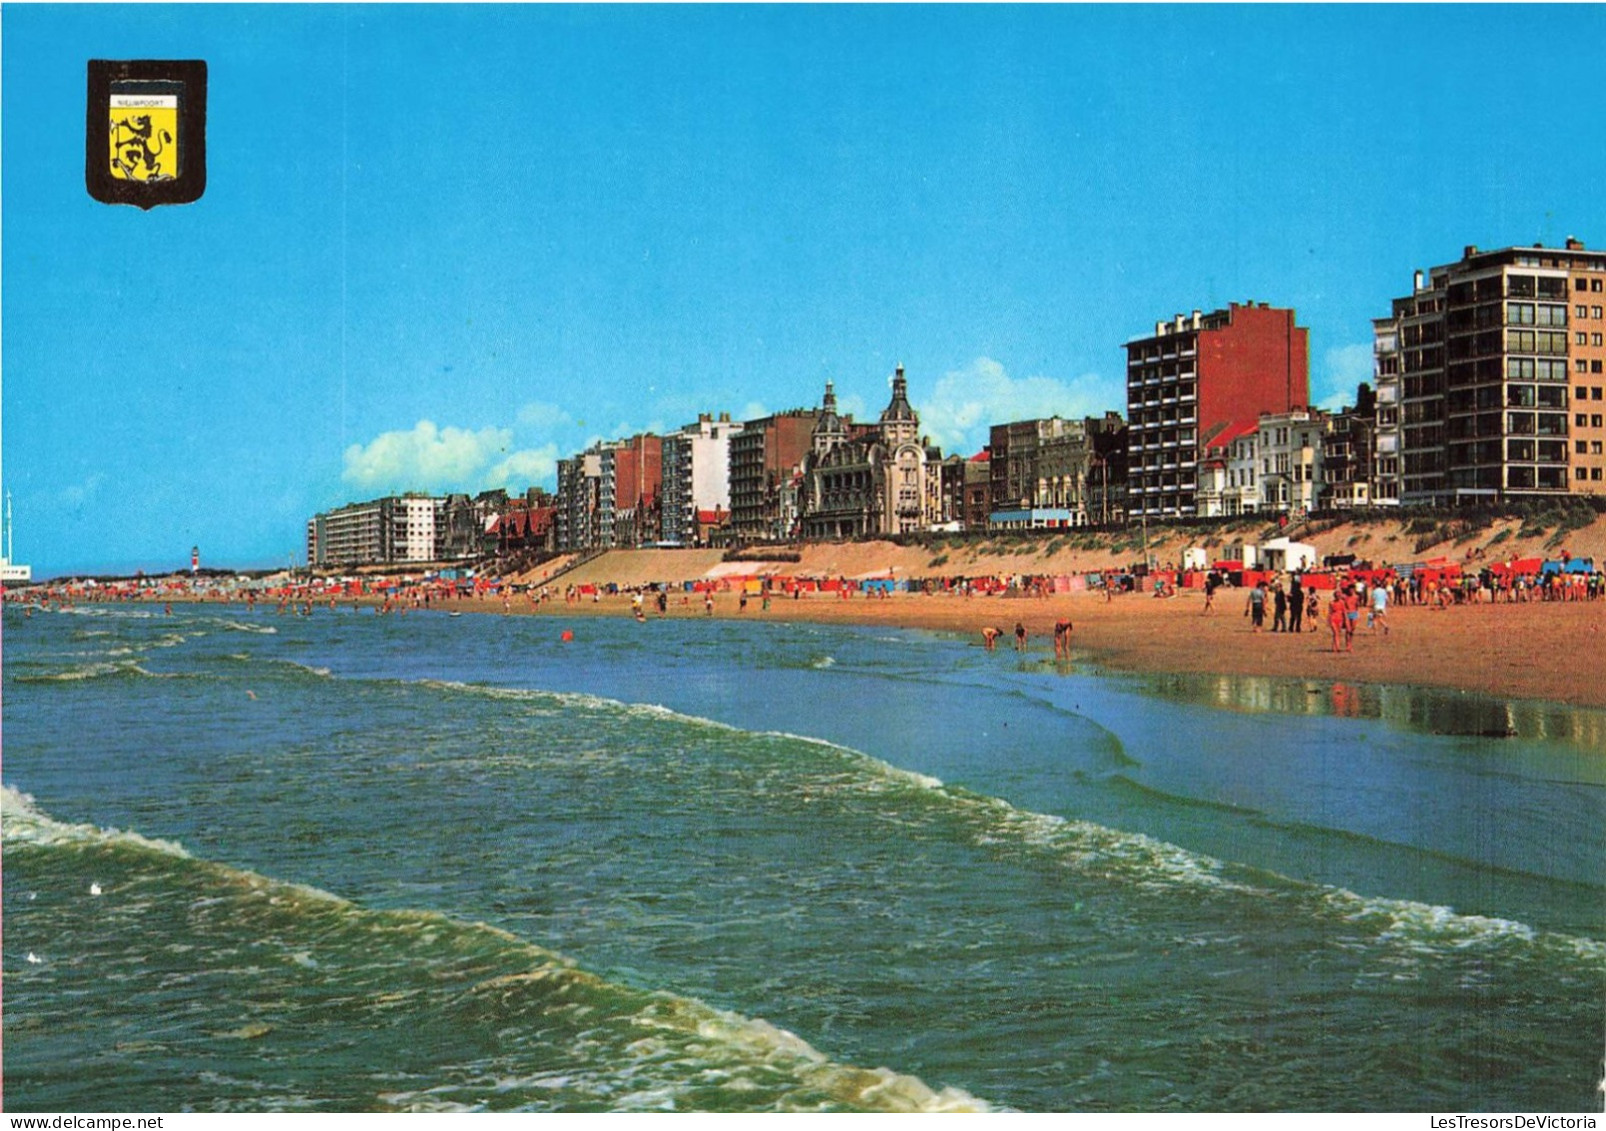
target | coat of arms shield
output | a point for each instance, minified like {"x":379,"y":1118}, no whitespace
{"x":146,"y":132}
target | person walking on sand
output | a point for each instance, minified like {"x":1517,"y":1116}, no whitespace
{"x":1313,"y":609}
{"x":1296,"y":605}
{"x":1210,"y":593}
{"x":1255,"y":607}
{"x":1380,"y":609}
{"x":1336,"y":619}
{"x":1279,"y":619}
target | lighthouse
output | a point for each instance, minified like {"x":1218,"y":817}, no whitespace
{"x":195,"y":559}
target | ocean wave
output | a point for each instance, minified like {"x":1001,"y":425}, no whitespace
{"x":562,"y":1037}
{"x":120,"y":669}
{"x":240,"y":626}
{"x":23,"y":822}
{"x":1146,"y":863}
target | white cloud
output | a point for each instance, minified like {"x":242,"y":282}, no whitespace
{"x":544,"y":417}
{"x":428,"y":458}
{"x":1344,"y":368}
{"x":525,"y":468}
{"x":965,"y":404}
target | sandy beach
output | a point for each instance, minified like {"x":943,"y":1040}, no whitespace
{"x":1539,"y":650}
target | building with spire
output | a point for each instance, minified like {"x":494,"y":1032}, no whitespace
{"x":11,"y":570}
{"x":865,"y":480}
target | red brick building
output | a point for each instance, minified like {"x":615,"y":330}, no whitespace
{"x":1195,"y":378}
{"x":636,"y":484}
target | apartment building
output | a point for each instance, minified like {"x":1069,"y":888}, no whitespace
{"x":1587,"y":353}
{"x":1054,"y":466}
{"x":766,"y":459}
{"x":1290,"y":449}
{"x":393,"y":530}
{"x":1194,"y":379}
{"x":1490,"y":361}
{"x":696,"y":476}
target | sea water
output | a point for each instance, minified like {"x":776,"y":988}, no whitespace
{"x":420,"y":862}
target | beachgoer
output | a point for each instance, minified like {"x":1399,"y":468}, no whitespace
{"x":1380,"y":608}
{"x":1313,"y":609}
{"x":1020,"y":637}
{"x":1210,"y":593}
{"x":1335,"y":619}
{"x":1279,"y":619}
{"x":1255,"y":606}
{"x":1296,"y":605}
{"x":990,"y":635}
{"x":1062,"y":639}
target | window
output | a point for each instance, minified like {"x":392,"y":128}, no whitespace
{"x":1594,"y":474}
{"x":1580,"y":447}
{"x":1594,"y":391}
{"x":1595,"y":339}
{"x":1580,"y":366}
{"x":1580,"y":284}
{"x":1579,"y":419}
{"x":1583,"y":339}
{"x":1595,"y":367}
{"x":1580,"y":311}
{"x":1595,"y":448}
{"x":1579,"y":473}
{"x":1594,"y":312}
{"x":1594,"y":284}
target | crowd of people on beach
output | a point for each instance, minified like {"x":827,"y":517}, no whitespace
{"x":1292,"y":603}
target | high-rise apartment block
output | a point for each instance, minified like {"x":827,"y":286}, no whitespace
{"x":766,"y":461}
{"x":696,"y":475}
{"x":1196,"y":378}
{"x":394,"y":529}
{"x":1485,"y":377}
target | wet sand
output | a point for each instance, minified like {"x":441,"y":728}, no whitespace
{"x":1541,"y":650}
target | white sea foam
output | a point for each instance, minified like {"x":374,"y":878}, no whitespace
{"x":99,"y":611}
{"x":1429,"y":928}
{"x":240,"y":626}
{"x":759,"y":1041}
{"x":22,"y":821}
{"x":729,"y":1039}
{"x":86,"y":671}
{"x":1146,"y":862}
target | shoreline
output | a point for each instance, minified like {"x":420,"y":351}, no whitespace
{"x":1543,"y":651}
{"x":1513,"y":651}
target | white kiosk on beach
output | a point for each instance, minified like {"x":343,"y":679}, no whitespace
{"x":1287,"y":557}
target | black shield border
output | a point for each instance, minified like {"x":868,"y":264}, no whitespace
{"x":191,"y":181}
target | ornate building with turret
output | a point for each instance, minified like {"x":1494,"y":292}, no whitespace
{"x":870,"y":479}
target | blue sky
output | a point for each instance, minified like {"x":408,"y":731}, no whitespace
{"x":441,"y":247}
